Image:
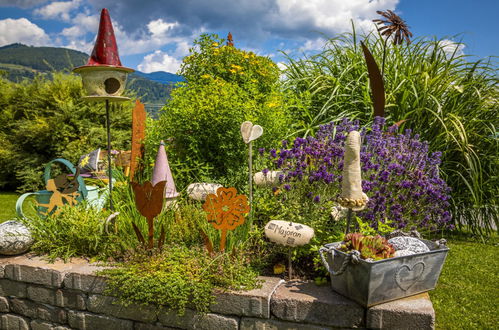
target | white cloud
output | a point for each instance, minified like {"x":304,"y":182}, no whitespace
{"x":159,"y":61}
{"x":281,"y":65}
{"x":313,"y":44}
{"x":23,"y":31}
{"x":449,"y":47}
{"x":159,"y":27}
{"x":182,"y":49}
{"x":59,"y":9}
{"x":330,"y":16}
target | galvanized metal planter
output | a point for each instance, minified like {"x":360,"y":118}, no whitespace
{"x":372,"y":283}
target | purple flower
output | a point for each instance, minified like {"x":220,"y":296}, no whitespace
{"x":265,"y":171}
{"x":400,"y":175}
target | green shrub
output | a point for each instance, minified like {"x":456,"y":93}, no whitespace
{"x":225,"y":87}
{"x":449,"y":99}
{"x":46,"y":118}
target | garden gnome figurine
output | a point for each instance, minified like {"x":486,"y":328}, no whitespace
{"x":162,"y":172}
{"x":351,"y":195}
{"x":103,"y":76}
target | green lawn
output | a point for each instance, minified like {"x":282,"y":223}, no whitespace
{"x":7,"y":206}
{"x":467,"y":294}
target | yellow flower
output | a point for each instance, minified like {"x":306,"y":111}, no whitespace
{"x":215,"y":44}
{"x":205,"y":76}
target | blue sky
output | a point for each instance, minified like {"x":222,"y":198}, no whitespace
{"x":155,"y":35}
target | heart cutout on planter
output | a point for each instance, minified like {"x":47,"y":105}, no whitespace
{"x":250,"y":132}
{"x":406,"y":276}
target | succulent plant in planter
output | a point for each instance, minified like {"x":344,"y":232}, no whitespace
{"x":371,"y":248}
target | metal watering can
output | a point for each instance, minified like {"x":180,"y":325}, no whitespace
{"x":48,"y":200}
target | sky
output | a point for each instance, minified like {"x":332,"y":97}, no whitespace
{"x":154,"y":35}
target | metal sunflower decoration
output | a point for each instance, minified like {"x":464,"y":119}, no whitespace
{"x":393,"y":25}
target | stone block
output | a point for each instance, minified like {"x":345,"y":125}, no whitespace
{"x":83,"y":278}
{"x":38,"y":271}
{"x":150,"y":326}
{"x":305,"y":302}
{"x":12,"y":288}
{"x":36,"y":310}
{"x":410,"y":313}
{"x":110,"y":306}
{"x":59,"y":297}
{"x":4,"y":305}
{"x":193,"y":320}
{"x":247,"y":303}
{"x":271,"y":324}
{"x":88,"y":321}
{"x":40,"y":325}
{"x":13,"y":322}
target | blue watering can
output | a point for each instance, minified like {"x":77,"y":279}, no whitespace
{"x":47,"y":200}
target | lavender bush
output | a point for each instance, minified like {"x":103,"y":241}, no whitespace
{"x":399,"y":175}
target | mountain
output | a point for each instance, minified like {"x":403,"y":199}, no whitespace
{"x":21,"y":61}
{"x":161,"y":76}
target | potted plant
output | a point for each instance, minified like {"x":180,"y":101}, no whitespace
{"x":367,"y":270}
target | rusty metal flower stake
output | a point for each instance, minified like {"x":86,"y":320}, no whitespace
{"x":149,"y":202}
{"x":225,"y":211}
{"x":393,"y":25}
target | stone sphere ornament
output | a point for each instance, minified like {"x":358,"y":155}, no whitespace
{"x":15,"y":238}
{"x":103,"y":76}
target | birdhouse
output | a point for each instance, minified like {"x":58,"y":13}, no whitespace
{"x":103,"y":76}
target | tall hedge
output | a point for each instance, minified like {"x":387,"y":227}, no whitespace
{"x":46,"y":118}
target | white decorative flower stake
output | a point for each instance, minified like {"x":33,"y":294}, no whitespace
{"x":250,"y":133}
{"x":351,"y":195}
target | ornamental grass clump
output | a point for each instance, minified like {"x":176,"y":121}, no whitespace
{"x":399,"y":175}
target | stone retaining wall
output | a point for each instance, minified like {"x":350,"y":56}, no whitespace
{"x":41,"y":296}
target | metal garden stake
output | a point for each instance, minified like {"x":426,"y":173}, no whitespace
{"x":250,"y":133}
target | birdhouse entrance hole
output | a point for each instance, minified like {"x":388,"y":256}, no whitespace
{"x":111,"y":85}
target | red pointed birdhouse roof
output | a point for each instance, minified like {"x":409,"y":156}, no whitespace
{"x":105,"y":52}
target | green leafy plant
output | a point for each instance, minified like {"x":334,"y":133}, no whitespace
{"x":382,"y":228}
{"x":370,"y":247}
